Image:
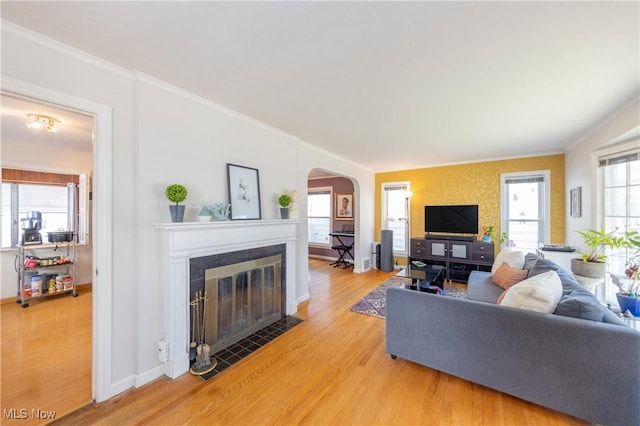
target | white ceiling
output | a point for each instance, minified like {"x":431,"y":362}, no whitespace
{"x":389,"y":85}
{"x":76,"y":129}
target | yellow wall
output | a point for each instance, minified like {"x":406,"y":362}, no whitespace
{"x":475,"y":183}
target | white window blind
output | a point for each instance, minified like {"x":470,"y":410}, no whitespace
{"x":395,"y":215}
{"x":57,"y":205}
{"x":525,"y":209}
{"x":620,"y":176}
{"x":319,"y":216}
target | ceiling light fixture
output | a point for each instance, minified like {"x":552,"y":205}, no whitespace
{"x":37,"y":121}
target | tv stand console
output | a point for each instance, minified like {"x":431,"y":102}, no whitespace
{"x":458,"y":258}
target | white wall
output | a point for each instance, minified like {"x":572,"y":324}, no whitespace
{"x":184,"y":139}
{"x":580,"y":168}
{"x":54,"y":66}
{"x":163,"y":135}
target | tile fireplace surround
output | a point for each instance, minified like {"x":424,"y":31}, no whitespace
{"x":186,"y":240}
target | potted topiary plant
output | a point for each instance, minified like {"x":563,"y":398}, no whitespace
{"x":176,"y":193}
{"x":593,"y":264}
{"x":285,"y":201}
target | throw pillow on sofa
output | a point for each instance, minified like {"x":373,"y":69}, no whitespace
{"x":568,"y":281}
{"x":540,"y":293}
{"x":507,"y":255}
{"x":543,"y":265}
{"x":579,"y":305}
{"x":530,"y":260}
{"x":506,"y":276}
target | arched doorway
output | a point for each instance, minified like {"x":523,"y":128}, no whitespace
{"x":332,"y":206}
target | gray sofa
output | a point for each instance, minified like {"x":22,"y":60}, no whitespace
{"x":585,"y":368}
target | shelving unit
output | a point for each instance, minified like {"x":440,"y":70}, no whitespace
{"x":458,"y":258}
{"x":45,"y":270}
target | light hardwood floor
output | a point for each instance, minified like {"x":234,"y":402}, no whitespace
{"x":46,"y":357}
{"x":331,"y":369}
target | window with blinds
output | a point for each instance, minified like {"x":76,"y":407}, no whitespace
{"x":619,"y":175}
{"x":525,"y":209}
{"x":56,"y":196}
{"x":319,"y":215}
{"x":395,"y":215}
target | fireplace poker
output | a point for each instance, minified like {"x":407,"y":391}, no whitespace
{"x":202,"y":364}
{"x":204,"y":300}
{"x":193,"y":344}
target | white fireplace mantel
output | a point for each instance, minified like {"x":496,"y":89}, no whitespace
{"x":186,"y":240}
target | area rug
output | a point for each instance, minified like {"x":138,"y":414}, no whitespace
{"x":374,"y":302}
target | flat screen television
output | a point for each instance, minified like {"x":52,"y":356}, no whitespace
{"x":451,"y":219}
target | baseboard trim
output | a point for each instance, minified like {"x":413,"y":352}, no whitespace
{"x":319,"y":256}
{"x":149,"y":376}
{"x":303,"y":298}
{"x":136,"y":381}
{"x":121,"y":386}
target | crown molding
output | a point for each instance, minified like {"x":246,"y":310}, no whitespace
{"x":161,"y":84}
{"x":53,"y":44}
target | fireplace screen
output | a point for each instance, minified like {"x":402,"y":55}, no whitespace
{"x":242,"y":298}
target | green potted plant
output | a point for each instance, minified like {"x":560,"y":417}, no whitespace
{"x":593,"y":263}
{"x":629,"y":294}
{"x":285,"y":201}
{"x":176,"y":193}
{"x":504,"y":237}
{"x":488,"y":233}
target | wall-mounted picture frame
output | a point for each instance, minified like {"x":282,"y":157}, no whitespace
{"x":243,"y":185}
{"x":576,"y":202}
{"x":344,"y":206}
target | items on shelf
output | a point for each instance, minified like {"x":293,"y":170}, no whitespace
{"x":44,"y":271}
{"x":32,"y":262}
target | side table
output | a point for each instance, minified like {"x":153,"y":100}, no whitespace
{"x":422,"y":277}
{"x":588,"y":282}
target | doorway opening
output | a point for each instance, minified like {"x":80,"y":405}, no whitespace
{"x":34,"y":178}
{"x":331,"y":210}
{"x":99,"y":219}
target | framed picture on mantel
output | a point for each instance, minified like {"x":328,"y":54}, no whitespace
{"x":244,"y":192}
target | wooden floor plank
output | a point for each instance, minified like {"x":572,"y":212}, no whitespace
{"x":330,"y":369}
{"x":46,"y":356}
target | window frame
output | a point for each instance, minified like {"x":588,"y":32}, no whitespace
{"x":544,"y":212}
{"x":15,"y":177}
{"x":616,"y":150}
{"x":402,"y":186}
{"x":323,"y":190}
